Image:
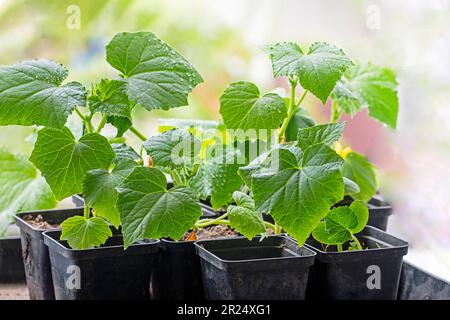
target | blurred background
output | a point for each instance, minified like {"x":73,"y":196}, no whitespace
{"x":223,"y":40}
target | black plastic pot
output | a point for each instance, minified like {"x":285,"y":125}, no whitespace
{"x":78,"y":200}
{"x":379,"y":211}
{"x":417,"y":284}
{"x":108,"y":272}
{"x":35,"y":252}
{"x":275,"y":268}
{"x":11,"y":264}
{"x":370,"y":274}
{"x":178,"y":272}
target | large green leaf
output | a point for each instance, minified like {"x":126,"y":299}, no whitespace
{"x":173,"y":148}
{"x":31,"y":94}
{"x":369,"y":86}
{"x":99,"y":189}
{"x":158,"y":77}
{"x":148,"y":210}
{"x":110,"y":98}
{"x":323,"y":133}
{"x":217,"y":177}
{"x":21,"y":186}
{"x":299,"y":192}
{"x":358,"y":169}
{"x":243,"y":107}
{"x":64,"y":161}
{"x":319,"y":70}
{"x":82,"y":233}
{"x":244,"y":218}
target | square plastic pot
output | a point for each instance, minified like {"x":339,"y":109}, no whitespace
{"x":178,"y":272}
{"x":11,"y":264}
{"x":275,"y":268}
{"x":370,"y":274}
{"x":35,"y":253}
{"x":108,"y":272}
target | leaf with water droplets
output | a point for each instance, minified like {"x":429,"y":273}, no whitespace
{"x":31,"y":94}
{"x":158,"y":77}
{"x":243,"y":107}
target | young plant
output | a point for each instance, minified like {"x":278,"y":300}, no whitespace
{"x":341,"y":224}
{"x":299,"y":180}
{"x":152,"y":76}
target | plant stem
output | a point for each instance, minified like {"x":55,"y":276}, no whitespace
{"x":339,"y":247}
{"x":291,"y":110}
{"x":213,"y":221}
{"x":358,"y":244}
{"x":277,"y":229}
{"x":138,"y":134}
{"x":335,"y":113}
{"x":269,"y":225}
{"x":80,"y":114}
{"x":87,"y":211}
{"x":117,"y":140}
{"x":101,"y":124}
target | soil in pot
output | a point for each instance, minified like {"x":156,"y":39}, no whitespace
{"x":275,"y":268}
{"x":105,"y":273}
{"x":178,"y":275}
{"x":11,"y":264}
{"x":379,"y":211}
{"x":35,"y":253}
{"x":370,"y":274}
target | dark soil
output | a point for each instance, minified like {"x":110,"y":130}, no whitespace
{"x":39,"y":223}
{"x":210,"y":232}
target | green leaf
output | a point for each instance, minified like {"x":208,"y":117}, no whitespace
{"x":340,"y":222}
{"x":148,"y":210}
{"x":124,"y":151}
{"x":99,"y":189}
{"x":244,"y":218}
{"x":350,"y":187}
{"x":158,"y":77}
{"x":82,"y":233}
{"x":300,"y":120}
{"x":361,"y":212}
{"x":21,"y":186}
{"x":122,"y":124}
{"x":64,"y":161}
{"x":243,"y":107}
{"x":348,"y":102}
{"x":321,"y":234}
{"x":319,"y":70}
{"x":374,"y":87}
{"x":110,"y":98}
{"x":31,"y":94}
{"x":173,"y":148}
{"x":217,"y":177}
{"x":299,"y":193}
{"x":323,"y":133}
{"x":357,"y":168}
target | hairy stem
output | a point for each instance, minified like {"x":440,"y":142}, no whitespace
{"x":358,"y":244}
{"x":202,"y":224}
{"x":290,"y":112}
{"x":138,"y":134}
{"x":335,"y":113}
{"x":86,"y":211}
{"x":339,"y":247}
{"x":101,"y":124}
